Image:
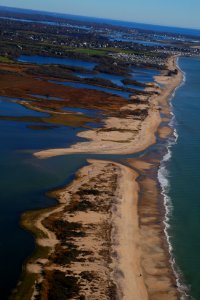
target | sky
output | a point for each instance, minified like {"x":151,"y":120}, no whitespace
{"x":180,"y":13}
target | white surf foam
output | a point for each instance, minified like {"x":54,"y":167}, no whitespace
{"x":163,"y":178}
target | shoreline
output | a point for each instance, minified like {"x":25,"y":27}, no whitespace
{"x":146,"y":137}
{"x":129,"y":133}
{"x":159,"y":275}
{"x":164,"y":184}
{"x":122,"y":254}
{"x":123,"y":234}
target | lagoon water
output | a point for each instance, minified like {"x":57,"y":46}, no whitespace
{"x":93,"y":87}
{"x":116,"y":79}
{"x":144,"y":75}
{"x":45,"y":60}
{"x":24,"y":180}
{"x":138,"y":74}
{"x":23,"y":183}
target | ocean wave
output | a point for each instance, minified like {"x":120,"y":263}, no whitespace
{"x":183,"y":73}
{"x":163,"y":178}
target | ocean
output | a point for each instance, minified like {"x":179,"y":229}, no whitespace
{"x":179,"y":176}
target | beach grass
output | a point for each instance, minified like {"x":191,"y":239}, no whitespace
{"x":89,"y":51}
{"x":24,"y":289}
{"x":4,"y":59}
{"x":29,"y":219}
{"x":106,"y":51}
{"x":73,"y":120}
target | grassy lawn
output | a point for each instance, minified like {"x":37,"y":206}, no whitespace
{"x":73,"y":120}
{"x":27,"y":280}
{"x":4,"y":59}
{"x":25,"y":290}
{"x":90,"y":51}
{"x":105,"y":51}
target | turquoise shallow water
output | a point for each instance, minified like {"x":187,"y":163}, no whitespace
{"x":183,"y":174}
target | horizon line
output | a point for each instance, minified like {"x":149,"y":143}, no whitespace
{"x":100,"y":18}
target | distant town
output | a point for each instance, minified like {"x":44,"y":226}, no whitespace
{"x":54,"y":36}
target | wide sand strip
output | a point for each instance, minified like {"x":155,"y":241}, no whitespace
{"x":119,"y":135}
{"x":127,"y":273}
{"x":117,"y":250}
{"x":102,"y":203}
{"x":130,"y":133}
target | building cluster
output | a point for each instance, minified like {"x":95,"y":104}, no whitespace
{"x":139,"y":59}
{"x":146,"y":47}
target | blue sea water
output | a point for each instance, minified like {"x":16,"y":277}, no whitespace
{"x":180,"y":179}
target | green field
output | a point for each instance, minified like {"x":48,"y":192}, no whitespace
{"x":4,"y":59}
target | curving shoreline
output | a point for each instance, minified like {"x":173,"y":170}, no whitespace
{"x":125,"y":136}
{"x":121,"y":275}
{"x":129,"y":133}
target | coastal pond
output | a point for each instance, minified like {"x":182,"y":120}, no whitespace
{"x":85,"y":111}
{"x":14,"y":122}
{"x":139,"y":74}
{"x":93,"y":87}
{"x":113,"y":78}
{"x":116,"y":79}
{"x":9,"y":106}
{"x":144,"y":75}
{"x":130,"y":39}
{"x":47,"y":60}
{"x":84,"y":64}
{"x":47,"y":97}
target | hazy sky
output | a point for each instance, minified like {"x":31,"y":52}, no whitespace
{"x":182,"y":13}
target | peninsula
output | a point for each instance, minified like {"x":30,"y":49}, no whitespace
{"x":105,"y":236}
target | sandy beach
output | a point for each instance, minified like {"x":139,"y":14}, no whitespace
{"x":158,"y":274}
{"x":134,"y":130}
{"x":107,"y":240}
{"x":106,"y":237}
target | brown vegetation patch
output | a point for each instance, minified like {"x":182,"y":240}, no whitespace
{"x":21,"y":85}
